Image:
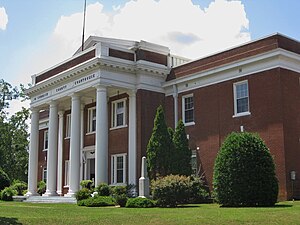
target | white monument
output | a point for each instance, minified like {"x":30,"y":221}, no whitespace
{"x":144,"y":180}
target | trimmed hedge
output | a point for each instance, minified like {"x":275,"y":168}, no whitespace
{"x":82,"y":194}
{"x":103,"y":189}
{"x":244,"y":172}
{"x":4,"y":180}
{"x":121,"y":200}
{"x":140,"y":203}
{"x":8,"y":193}
{"x":97,"y":201}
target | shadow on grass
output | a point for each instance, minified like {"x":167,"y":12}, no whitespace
{"x":275,"y":206}
{"x":6,"y":221}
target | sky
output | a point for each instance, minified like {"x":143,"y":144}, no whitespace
{"x":37,"y":34}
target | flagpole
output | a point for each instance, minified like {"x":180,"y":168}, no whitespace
{"x":83,"y":27}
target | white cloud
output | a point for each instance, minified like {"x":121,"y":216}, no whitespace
{"x":185,"y":28}
{"x":3,"y":18}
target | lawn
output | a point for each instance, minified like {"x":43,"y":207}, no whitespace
{"x":30,"y":213}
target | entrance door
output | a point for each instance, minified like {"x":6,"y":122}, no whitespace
{"x":91,"y":169}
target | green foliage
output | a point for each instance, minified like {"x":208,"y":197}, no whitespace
{"x":140,"y":203}
{"x":119,"y":190}
{"x":86,"y":184}
{"x":173,"y":190}
{"x":84,"y":193}
{"x":244,"y":172}
{"x":158,"y":148}
{"x":121,"y":200}
{"x":97,"y":201}
{"x":181,"y":157}
{"x":103,"y":189}
{"x":7,"y":194}
{"x":19,"y":187}
{"x":4,"y":180}
{"x":41,"y":187}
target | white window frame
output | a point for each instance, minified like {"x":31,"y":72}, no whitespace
{"x":90,"y":120}
{"x":114,"y":169}
{"x":194,"y":155}
{"x":114,"y":113}
{"x":46,"y":139}
{"x":68,"y":126}
{"x":236,"y":114}
{"x":183,"y":110}
{"x":44,"y":174}
{"x":67,"y":174}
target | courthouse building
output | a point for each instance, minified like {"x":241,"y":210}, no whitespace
{"x":92,"y":115}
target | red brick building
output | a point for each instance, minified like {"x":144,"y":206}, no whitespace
{"x":114,"y":87}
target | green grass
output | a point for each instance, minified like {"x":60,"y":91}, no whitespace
{"x":29,"y":213}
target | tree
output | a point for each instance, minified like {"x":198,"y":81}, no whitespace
{"x":13,"y":134}
{"x":158,"y":148}
{"x":181,"y":158}
{"x":244,"y":172}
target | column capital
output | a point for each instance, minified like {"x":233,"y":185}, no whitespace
{"x":75,"y":96}
{"x":52,"y":103}
{"x":101,"y":87}
{"x":132,"y":92}
{"x":34,"y":110}
{"x":61,"y":113}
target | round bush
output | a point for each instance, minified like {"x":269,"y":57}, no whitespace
{"x":121,"y":200}
{"x":140,"y":203}
{"x":19,"y":186}
{"x":4,"y":180}
{"x":86,"y":184}
{"x":244,"y":172}
{"x":98,"y":201}
{"x":84,"y":193}
{"x":7,"y":194}
{"x":103,"y":189}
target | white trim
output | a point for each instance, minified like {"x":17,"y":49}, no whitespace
{"x":183,"y":109}
{"x":236,"y":114}
{"x":114,"y":113}
{"x":114,"y":168}
{"x":90,"y":120}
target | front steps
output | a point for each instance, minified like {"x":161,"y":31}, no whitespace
{"x":51,"y":199}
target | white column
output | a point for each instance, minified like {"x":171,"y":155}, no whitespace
{"x":74,"y":146}
{"x":60,"y":151}
{"x":33,"y":153}
{"x":52,"y":151}
{"x":101,"y":153}
{"x":81,"y":140}
{"x":175,"y":97}
{"x":132,"y":138}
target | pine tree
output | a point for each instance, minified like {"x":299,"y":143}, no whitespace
{"x":181,"y":158}
{"x":158,"y":148}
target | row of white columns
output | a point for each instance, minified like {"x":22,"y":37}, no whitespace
{"x":55,"y":137}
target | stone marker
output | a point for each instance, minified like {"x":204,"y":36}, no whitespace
{"x":144,"y":180}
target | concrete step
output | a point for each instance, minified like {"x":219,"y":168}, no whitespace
{"x":52,"y":199}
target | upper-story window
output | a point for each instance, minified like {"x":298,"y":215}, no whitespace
{"x":68,"y":125}
{"x":91,"y":125}
{"x":118,"y":113}
{"x":241,"y":98}
{"x":188,"y":109}
{"x":46,"y":142}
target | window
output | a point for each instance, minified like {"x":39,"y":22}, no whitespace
{"x":44,"y":178}
{"x":241,"y":98}
{"x":188,"y":109}
{"x":46,"y":140}
{"x":118,"y":113}
{"x":194,"y":162}
{"x":118,"y":171}
{"x":91,"y":120}
{"x":68,"y":126}
{"x":67,"y":173}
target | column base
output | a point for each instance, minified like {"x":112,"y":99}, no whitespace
{"x":69,"y":195}
{"x":50,"y":193}
{"x":31,"y":193}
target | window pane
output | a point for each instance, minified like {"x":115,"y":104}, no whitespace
{"x":242,"y":90}
{"x":120,"y":169}
{"x":120,"y":119}
{"x":46,"y":140}
{"x":242,"y":105}
{"x":188,"y":109}
{"x":194,"y":162}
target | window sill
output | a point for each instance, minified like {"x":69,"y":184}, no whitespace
{"x":66,"y":186}
{"x":119,"y":127}
{"x":89,"y":133}
{"x":189,"y":124}
{"x":241,"y":114}
{"x":118,"y":184}
{"x":67,"y":138}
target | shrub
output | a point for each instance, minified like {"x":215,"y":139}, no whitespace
{"x":171,"y":190}
{"x":4,"y":180}
{"x":121,"y":200}
{"x":140,"y":203}
{"x":98,"y":201}
{"x":103,"y":189}
{"x":19,"y":186}
{"x":86,"y":184}
{"x":84,"y":193}
{"x":199,"y":192}
{"x":119,"y":190}
{"x":7,"y":194}
{"x":41,"y":189}
{"x":244,"y":172}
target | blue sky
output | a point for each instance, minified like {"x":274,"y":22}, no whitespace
{"x":37,"y":36}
